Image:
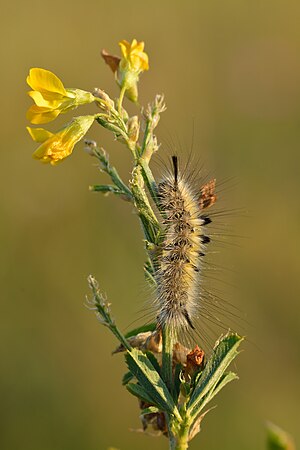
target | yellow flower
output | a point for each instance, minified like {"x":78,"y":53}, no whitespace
{"x":127,"y":69}
{"x":56,"y":147}
{"x":134,"y":61}
{"x":134,"y":57}
{"x":51,"y":97}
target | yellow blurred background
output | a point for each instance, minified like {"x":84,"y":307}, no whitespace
{"x":231,"y":71}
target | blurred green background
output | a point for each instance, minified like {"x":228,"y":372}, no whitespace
{"x":229,"y":69}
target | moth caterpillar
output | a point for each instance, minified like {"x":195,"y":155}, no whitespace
{"x":184,"y":244}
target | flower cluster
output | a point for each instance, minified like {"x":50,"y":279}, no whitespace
{"x":51,"y":98}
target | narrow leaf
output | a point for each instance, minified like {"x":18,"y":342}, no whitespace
{"x":139,"y":391}
{"x":149,"y":410}
{"x":139,"y":365}
{"x":223,"y":354}
{"x":225,"y":379}
{"x":154,"y":362}
{"x":106,"y":188}
{"x":126,"y":378}
{"x":142,"y":329}
{"x":177,"y":381}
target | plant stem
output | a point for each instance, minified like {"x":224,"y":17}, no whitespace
{"x":112,"y":172}
{"x":178,"y":432}
{"x":167,"y":356}
{"x":143,"y":206}
{"x":180,"y":441}
{"x":149,"y":179}
{"x":122,"y":92}
{"x":104,"y":313}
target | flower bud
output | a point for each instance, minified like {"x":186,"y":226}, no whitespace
{"x":107,"y":102}
{"x":90,"y":147}
{"x":133,"y":128}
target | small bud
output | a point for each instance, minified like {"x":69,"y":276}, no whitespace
{"x":108,"y":103}
{"x":123,"y":112}
{"x":90,"y":147}
{"x":133,"y":128}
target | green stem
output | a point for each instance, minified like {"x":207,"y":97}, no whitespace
{"x":103,"y":310}
{"x":112,"y":127}
{"x":112,"y":172}
{"x":180,"y":441}
{"x":149,"y":180}
{"x":121,"y":97}
{"x":146,"y":135}
{"x":167,"y":356}
{"x":143,"y":206}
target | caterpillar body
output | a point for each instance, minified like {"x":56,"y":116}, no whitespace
{"x":184,"y":243}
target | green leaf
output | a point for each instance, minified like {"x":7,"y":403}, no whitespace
{"x":149,"y":379}
{"x":154,"y":362}
{"x":138,"y":391}
{"x":149,"y":275}
{"x":278,"y":439}
{"x":141,"y":329}
{"x":225,"y":379}
{"x":126,"y":378}
{"x":106,"y":188}
{"x":223,"y":354}
{"x":177,"y":381}
{"x":149,"y":410}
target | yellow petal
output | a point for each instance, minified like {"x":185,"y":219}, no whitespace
{"x":125,"y":48}
{"x":134,"y":55}
{"x":61,"y":144}
{"x":140,"y":61}
{"x":137,"y":46}
{"x":38,"y":115}
{"x":45,"y":81}
{"x":39,"y":100}
{"x":39,"y":134}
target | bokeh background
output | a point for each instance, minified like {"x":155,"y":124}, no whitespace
{"x":230,"y":71}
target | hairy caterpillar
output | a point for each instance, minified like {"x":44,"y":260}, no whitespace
{"x":179,"y":263}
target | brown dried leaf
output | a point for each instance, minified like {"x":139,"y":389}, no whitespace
{"x":111,"y":60}
{"x":194,"y":361}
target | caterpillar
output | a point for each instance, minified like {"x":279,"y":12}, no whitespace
{"x":184,"y":244}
